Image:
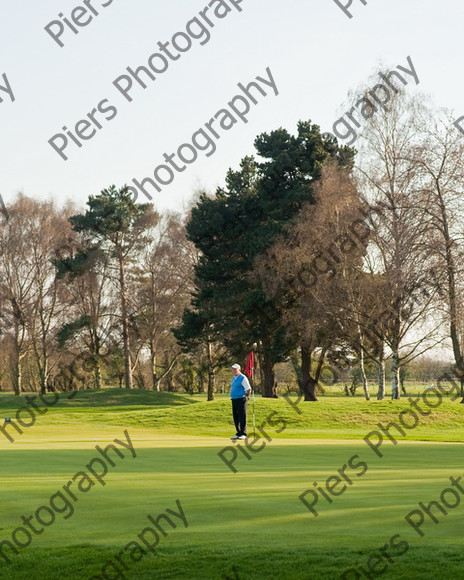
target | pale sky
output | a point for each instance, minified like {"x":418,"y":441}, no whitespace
{"x":314,"y":52}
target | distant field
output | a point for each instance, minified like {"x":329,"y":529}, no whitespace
{"x":251,"y":520}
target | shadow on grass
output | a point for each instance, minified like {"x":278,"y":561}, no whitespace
{"x":199,"y":562}
{"x":103,"y":398}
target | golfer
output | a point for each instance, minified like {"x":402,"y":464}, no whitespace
{"x":239,"y":393}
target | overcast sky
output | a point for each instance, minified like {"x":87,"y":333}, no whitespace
{"x":313,"y":50}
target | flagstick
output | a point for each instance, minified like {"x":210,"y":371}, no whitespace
{"x":253,"y":393}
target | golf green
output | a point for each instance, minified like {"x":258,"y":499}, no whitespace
{"x":248,"y":525}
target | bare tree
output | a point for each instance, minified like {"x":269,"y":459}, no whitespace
{"x":389,"y":177}
{"x":49,"y":227}
{"x":441,"y":163}
{"x":29,"y":286}
{"x":308,"y":272}
{"x":164,"y":286}
{"x":16,"y":283}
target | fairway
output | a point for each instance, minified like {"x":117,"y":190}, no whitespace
{"x":249,"y":524}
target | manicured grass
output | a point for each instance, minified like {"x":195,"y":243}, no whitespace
{"x":332,"y":418}
{"x":252,"y":519}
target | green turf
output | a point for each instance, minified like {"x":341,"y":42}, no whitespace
{"x":332,"y":417}
{"x":251,"y":520}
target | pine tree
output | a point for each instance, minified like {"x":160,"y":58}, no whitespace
{"x":241,"y":222}
{"x":120,"y":227}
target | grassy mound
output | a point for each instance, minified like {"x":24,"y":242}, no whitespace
{"x":331,"y":418}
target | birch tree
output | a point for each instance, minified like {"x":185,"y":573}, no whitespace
{"x":441,"y":165}
{"x":389,"y":176}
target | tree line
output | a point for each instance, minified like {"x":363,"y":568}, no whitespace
{"x":94,"y":295}
{"x":312,"y":252}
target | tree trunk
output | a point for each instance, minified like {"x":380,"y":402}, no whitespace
{"x":309,"y":389}
{"x":451,"y":277}
{"x":362,"y":369}
{"x":43,"y":369}
{"x":17,"y":355}
{"x":125,"y":325}
{"x":43,"y":378}
{"x":454,"y":333}
{"x":381,"y":373}
{"x":268,"y":371}
{"x":395,"y":375}
{"x":154,"y":375}
{"x":402,"y":376}
{"x":308,"y":383}
{"x":17,"y":378}
{"x":97,"y":374}
{"x":97,"y":357}
{"x":17,"y":364}
{"x":210,"y":373}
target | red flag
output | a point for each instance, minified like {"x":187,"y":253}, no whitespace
{"x":250,"y":365}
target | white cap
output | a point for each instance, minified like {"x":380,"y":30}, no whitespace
{"x":236,"y":366}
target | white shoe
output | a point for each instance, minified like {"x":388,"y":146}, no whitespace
{"x":235,"y":437}
{"x":242,"y":437}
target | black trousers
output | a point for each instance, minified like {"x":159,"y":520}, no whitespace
{"x":239,"y":410}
